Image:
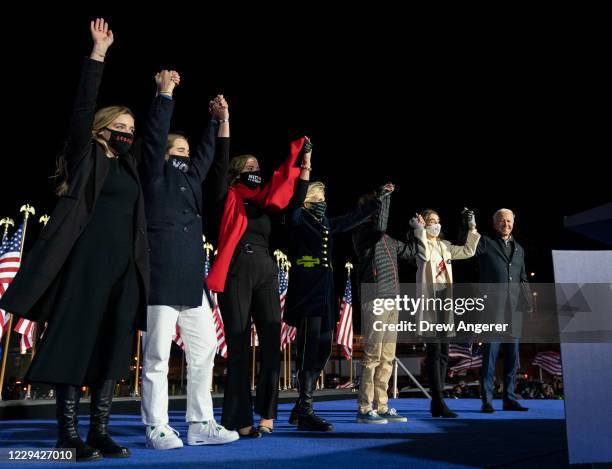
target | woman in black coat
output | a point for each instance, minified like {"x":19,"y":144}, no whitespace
{"x":310,"y":304}
{"x":87,"y":274}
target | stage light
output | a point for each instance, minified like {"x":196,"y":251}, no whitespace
{"x":532,"y":274}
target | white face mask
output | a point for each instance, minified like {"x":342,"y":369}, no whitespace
{"x":433,"y":230}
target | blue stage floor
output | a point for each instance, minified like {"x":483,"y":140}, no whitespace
{"x":503,"y":439}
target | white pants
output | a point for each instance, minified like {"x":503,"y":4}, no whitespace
{"x":198,"y":334}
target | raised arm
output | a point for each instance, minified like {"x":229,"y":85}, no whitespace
{"x":423,"y":250}
{"x":155,"y":138}
{"x":416,"y":245}
{"x":356,"y":217}
{"x":81,"y":121}
{"x":468,"y":249}
{"x":217,"y":176}
{"x":301,"y":185}
{"x":218,"y":126}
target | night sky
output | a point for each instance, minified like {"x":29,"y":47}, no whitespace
{"x":483,"y":117}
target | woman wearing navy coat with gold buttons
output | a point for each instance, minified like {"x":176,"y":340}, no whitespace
{"x":310,"y":304}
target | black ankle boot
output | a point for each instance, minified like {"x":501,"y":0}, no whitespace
{"x":439,"y":409}
{"x":67,"y":399}
{"x":98,"y":437}
{"x":303,"y":414}
{"x":302,"y":401}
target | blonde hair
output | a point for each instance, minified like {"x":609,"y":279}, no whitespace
{"x":172,"y":138}
{"x":236,"y":165}
{"x":105,"y":117}
{"x":313,"y":189}
{"x":102,"y":119}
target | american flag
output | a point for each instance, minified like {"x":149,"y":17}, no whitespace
{"x":254,"y":336}
{"x":550,"y":362}
{"x":176,"y":338}
{"x":26,"y":328}
{"x":460,"y":351}
{"x":474,"y":362}
{"x":10,"y":260}
{"x":345,"y":325}
{"x":219,"y":329}
{"x":288,"y":333}
{"x":348,"y":385}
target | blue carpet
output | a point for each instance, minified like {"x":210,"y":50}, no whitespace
{"x":504,"y":439}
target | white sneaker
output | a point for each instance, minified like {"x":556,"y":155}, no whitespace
{"x":210,"y":433}
{"x":163,"y":437}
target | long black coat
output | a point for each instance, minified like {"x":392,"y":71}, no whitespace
{"x":33,"y":290}
{"x":173,"y":204}
{"x":512,"y":295}
{"x":311,"y":283}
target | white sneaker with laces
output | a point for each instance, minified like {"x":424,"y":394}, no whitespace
{"x":210,"y":433}
{"x":163,"y":437}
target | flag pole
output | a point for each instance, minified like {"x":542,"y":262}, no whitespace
{"x":290,"y":377}
{"x":253,"y":365}
{"x":6,"y":222}
{"x":208,"y":248}
{"x":27,"y":210}
{"x":44,"y":220}
{"x":137,"y":376}
{"x":285,"y":375}
{"x":281,"y":260}
{"x":278,"y":254}
{"x":286,"y":365}
{"x":349,"y":266}
{"x":183,"y":372}
{"x":289,"y":370}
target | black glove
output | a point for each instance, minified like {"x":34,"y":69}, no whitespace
{"x":307,"y":147}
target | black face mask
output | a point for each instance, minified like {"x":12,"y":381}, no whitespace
{"x":120,"y":142}
{"x":251,"y":179}
{"x":180,"y":162}
{"x":318,"y":209}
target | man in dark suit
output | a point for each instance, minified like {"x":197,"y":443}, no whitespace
{"x":502,"y":261}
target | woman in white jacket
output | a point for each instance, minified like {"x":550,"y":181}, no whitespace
{"x":434,"y":279}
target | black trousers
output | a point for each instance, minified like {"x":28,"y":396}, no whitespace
{"x":251,"y":290}
{"x":313,"y":344}
{"x":437,"y":363}
{"x":436,"y":359}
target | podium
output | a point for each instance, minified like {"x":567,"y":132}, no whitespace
{"x":587,"y":373}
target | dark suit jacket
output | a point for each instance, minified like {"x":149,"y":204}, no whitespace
{"x":33,"y":289}
{"x":173,"y":204}
{"x":511,"y":295}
